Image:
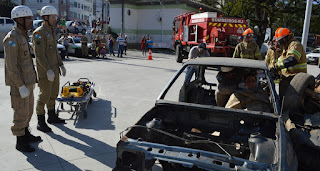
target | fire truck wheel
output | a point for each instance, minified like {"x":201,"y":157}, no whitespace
{"x":295,"y":97}
{"x":179,"y":57}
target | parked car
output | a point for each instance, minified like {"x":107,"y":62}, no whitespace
{"x":74,"y":45}
{"x":6,"y":25}
{"x":308,"y":50}
{"x":81,"y":27}
{"x":314,"y":56}
{"x":37,"y":23}
{"x":60,"y":47}
{"x":187,"y":130}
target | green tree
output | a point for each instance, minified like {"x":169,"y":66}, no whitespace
{"x":6,"y":7}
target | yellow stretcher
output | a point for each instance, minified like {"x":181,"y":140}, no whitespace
{"x":78,"y":95}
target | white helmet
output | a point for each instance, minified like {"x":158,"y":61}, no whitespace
{"x":21,"y":11}
{"x":48,"y":10}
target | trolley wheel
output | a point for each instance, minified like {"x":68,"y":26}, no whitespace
{"x":90,"y":101}
{"x":94,"y":94}
{"x":62,"y":108}
{"x":85,"y":114}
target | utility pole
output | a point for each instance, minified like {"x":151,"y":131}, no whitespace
{"x":306,"y":25}
{"x":102,"y":15}
{"x":122,"y":16}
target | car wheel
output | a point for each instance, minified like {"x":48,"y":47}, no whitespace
{"x":295,"y":98}
{"x":179,"y":57}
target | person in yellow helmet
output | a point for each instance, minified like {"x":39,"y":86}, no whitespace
{"x":292,"y":60}
{"x":247,"y":48}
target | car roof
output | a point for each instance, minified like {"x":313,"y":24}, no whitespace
{"x":227,"y":61}
{"x":5,"y":18}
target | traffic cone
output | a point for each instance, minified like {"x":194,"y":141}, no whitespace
{"x":150,"y":55}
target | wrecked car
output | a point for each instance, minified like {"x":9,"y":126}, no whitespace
{"x":301,"y":115}
{"x":188,"y":130}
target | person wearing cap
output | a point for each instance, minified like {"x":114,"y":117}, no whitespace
{"x":247,"y":48}
{"x":21,"y":76}
{"x":292,"y":60}
{"x":49,"y":66}
{"x":195,"y":52}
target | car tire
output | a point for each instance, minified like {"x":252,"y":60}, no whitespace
{"x":294,"y":99}
{"x":179,"y":57}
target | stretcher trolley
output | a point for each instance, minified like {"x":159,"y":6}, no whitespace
{"x":78,"y":95}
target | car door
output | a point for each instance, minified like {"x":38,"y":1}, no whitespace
{"x":72,"y":46}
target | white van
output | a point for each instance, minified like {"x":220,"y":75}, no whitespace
{"x":6,"y":25}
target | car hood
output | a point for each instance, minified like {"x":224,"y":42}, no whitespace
{"x":313,"y":55}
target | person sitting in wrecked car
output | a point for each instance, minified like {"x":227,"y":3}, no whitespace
{"x":251,"y":98}
{"x":228,"y":79}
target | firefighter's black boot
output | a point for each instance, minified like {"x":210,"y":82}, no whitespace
{"x":42,"y":125}
{"x":22,"y":145}
{"x":53,"y":117}
{"x":29,"y":137}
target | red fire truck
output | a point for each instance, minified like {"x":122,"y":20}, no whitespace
{"x":219,"y":33}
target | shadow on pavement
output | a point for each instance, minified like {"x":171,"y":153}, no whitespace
{"x":43,"y":160}
{"x":91,"y":147}
{"x":99,"y":116}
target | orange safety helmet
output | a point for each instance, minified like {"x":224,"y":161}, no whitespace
{"x":281,"y":33}
{"x":248,"y":32}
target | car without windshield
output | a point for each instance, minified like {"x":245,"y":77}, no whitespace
{"x":187,"y":130}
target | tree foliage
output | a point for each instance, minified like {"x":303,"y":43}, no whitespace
{"x":6,"y":7}
{"x":272,"y":14}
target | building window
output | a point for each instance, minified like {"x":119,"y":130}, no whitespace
{"x":39,"y":1}
{"x":78,"y":5}
{"x":75,"y":4}
{"x":52,"y":1}
{"x":78,"y":15}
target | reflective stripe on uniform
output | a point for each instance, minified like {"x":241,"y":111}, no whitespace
{"x":296,"y":67}
{"x":244,"y":56}
{"x":280,"y":63}
{"x":295,"y":52}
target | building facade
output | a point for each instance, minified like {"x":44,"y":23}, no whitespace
{"x":149,"y":18}
{"x":80,"y":9}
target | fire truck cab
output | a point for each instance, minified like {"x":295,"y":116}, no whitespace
{"x":220,"y":34}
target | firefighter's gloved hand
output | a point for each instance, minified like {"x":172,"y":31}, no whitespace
{"x":24,"y":92}
{"x":274,"y":73}
{"x":63,"y":70}
{"x":50,"y":75}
